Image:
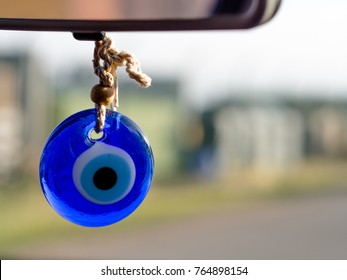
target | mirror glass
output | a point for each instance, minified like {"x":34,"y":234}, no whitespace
{"x":120,"y":9}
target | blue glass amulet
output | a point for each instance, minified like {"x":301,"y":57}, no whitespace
{"x":96,"y":180}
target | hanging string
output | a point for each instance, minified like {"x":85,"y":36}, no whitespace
{"x":107,"y":73}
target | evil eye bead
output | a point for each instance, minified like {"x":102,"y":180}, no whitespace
{"x":96,"y":181}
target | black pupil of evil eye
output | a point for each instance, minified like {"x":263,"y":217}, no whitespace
{"x":105,"y":178}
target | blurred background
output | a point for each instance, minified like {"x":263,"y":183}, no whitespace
{"x":248,"y":130}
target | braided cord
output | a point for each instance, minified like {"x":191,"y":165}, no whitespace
{"x":107,"y":73}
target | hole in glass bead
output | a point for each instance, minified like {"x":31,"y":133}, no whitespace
{"x":95,"y":136}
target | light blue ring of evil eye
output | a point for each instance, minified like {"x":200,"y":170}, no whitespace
{"x":98,"y":156}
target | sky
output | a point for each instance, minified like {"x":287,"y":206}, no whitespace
{"x":302,"y":50}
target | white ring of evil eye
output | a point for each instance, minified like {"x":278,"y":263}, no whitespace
{"x":111,"y":164}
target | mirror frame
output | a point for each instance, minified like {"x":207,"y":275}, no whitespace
{"x":260,"y":11}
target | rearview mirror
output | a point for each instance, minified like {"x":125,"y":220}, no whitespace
{"x":134,"y":15}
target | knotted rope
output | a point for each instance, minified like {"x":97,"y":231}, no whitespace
{"x":107,"y":73}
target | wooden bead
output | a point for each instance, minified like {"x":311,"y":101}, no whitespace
{"x":102,"y":95}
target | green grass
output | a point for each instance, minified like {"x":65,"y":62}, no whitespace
{"x":26,"y":216}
